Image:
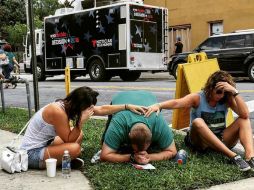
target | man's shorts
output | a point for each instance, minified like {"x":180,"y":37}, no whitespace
{"x":35,"y":158}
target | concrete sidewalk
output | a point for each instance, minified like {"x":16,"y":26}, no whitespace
{"x":37,"y":179}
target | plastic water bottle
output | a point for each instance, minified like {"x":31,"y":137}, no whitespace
{"x":66,"y":164}
{"x":181,"y":157}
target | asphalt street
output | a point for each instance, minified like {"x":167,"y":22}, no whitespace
{"x":161,"y":84}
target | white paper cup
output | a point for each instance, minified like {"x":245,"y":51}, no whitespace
{"x":51,"y":167}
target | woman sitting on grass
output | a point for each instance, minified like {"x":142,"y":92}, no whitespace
{"x":208,"y":119}
{"x":49,"y":132}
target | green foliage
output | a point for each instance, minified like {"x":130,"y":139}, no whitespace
{"x":12,"y":12}
{"x":43,"y":8}
{"x":201,"y":171}
{"x":16,"y":34}
{"x":67,"y":3}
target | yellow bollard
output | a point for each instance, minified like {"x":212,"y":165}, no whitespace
{"x":67,"y":80}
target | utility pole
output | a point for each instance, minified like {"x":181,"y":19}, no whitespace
{"x":33,"y":58}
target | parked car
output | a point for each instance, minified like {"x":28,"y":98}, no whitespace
{"x":234,"y":52}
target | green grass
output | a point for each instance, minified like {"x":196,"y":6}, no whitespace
{"x":201,"y":170}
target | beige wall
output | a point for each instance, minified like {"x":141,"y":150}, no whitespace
{"x":235,"y":14}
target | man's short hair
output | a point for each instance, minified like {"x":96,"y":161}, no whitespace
{"x":140,"y":135}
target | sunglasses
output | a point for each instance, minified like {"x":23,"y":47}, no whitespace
{"x":219,"y":91}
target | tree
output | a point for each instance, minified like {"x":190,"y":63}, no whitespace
{"x":68,"y":3}
{"x":43,"y":8}
{"x":11,"y":12}
{"x":15,"y":34}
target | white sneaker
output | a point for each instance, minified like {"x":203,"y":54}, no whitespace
{"x":96,"y":157}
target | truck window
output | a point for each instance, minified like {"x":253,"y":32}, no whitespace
{"x":143,"y":36}
{"x":37,"y":38}
{"x":28,"y":43}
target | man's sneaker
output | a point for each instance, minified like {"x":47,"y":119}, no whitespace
{"x":96,"y":157}
{"x":77,"y":163}
{"x":242,"y":165}
{"x":251,"y":163}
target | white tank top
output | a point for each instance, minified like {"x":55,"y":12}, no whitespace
{"x":39,"y":132}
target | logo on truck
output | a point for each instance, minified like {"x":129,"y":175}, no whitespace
{"x":62,"y":38}
{"x":102,"y":43}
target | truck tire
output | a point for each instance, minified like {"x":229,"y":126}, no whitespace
{"x":97,"y":71}
{"x":251,"y":72}
{"x":130,"y":75}
{"x":40,"y":72}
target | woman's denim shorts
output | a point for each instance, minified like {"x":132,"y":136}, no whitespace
{"x":35,"y":158}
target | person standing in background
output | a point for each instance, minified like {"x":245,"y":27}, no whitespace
{"x":178,"y":46}
{"x":8,"y":68}
{"x":2,"y":57}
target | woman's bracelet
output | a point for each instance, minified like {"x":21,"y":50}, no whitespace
{"x":159,"y":105}
{"x":126,"y":106}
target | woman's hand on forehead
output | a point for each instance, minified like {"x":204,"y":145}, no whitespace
{"x":225,"y":86}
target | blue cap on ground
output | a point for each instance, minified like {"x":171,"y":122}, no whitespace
{"x":1,"y":51}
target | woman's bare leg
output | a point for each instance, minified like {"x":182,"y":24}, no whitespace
{"x":240,"y":129}
{"x":58,"y":140}
{"x":57,"y":151}
{"x":203,"y":137}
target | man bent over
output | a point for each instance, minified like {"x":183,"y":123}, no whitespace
{"x":135,"y":138}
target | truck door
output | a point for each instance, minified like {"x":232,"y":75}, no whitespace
{"x":142,"y":40}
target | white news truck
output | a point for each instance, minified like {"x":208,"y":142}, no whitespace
{"x":121,"y":39}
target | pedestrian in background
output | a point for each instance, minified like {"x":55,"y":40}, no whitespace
{"x":2,"y":57}
{"x":178,"y":46}
{"x":8,"y":68}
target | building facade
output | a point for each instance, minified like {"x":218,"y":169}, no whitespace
{"x":194,"y":21}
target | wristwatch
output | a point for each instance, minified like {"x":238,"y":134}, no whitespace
{"x":132,"y":159}
{"x":235,"y":93}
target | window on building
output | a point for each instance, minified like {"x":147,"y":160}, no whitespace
{"x":216,"y":27}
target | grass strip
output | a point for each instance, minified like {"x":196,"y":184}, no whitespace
{"x":201,"y":171}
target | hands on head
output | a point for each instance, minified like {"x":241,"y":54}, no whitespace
{"x":140,"y":110}
{"x":153,"y":108}
{"x":226,"y":87}
{"x":143,"y":110}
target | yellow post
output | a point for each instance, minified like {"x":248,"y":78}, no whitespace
{"x":67,"y":80}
